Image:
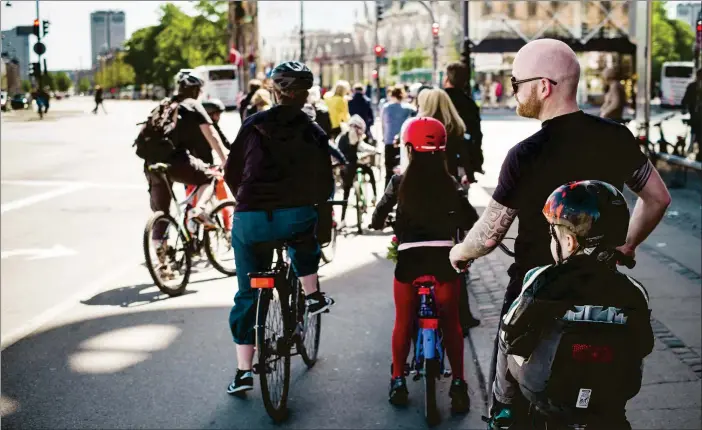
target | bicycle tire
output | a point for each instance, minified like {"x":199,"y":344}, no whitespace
{"x":276,"y":408}
{"x":309,"y":348}
{"x":216,"y":263}
{"x":147,"y":243}
{"x":329,"y":251}
{"x":360,"y":206}
{"x":432,"y":369}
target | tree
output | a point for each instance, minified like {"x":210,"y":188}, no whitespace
{"x":408,"y":60}
{"x":141,"y":53}
{"x":116,"y":74}
{"x":63,"y":81}
{"x":671,"y":40}
{"x":84,"y":85}
{"x":26,"y":85}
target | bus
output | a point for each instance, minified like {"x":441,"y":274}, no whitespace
{"x":221,"y":82}
{"x":675,"y":77}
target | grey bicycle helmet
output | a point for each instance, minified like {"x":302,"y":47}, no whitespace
{"x":213,"y":105}
{"x":189,"y":80}
{"x":291,"y":76}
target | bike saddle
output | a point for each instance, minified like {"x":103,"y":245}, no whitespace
{"x":158,"y":167}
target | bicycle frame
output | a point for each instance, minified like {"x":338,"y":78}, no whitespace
{"x":428,"y":344}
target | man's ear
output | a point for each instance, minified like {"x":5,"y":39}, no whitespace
{"x":572,"y":243}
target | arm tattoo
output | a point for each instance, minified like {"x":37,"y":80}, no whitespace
{"x":490,"y":229}
{"x":640,"y":177}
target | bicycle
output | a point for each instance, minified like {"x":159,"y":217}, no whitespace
{"x":360,"y":188}
{"x":283,"y":327}
{"x":175,"y":252}
{"x":328,"y":244}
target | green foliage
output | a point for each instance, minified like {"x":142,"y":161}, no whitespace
{"x":83,"y":85}
{"x":116,"y":74}
{"x":179,"y":41}
{"x":26,"y":85}
{"x":410,"y":59}
{"x":63,"y":81}
{"x":671,"y":40}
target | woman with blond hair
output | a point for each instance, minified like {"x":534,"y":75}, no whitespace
{"x":435,"y":103}
{"x":338,"y":107}
{"x":260,"y":101}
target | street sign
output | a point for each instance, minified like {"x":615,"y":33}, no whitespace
{"x":25,"y":30}
{"x":39,"y":48}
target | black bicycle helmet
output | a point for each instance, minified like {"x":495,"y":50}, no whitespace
{"x":188,"y":80}
{"x":213,"y":105}
{"x":290,"y":76}
{"x":595,"y":211}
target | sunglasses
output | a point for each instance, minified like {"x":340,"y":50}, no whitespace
{"x":515,"y":82}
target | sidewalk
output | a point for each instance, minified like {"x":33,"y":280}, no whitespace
{"x":670,"y":397}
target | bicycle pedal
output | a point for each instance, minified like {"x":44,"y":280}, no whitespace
{"x":254,"y":368}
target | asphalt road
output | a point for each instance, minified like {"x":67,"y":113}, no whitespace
{"x":88,"y":341}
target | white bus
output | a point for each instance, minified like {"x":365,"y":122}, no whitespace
{"x":675,"y":77}
{"x":221,"y":82}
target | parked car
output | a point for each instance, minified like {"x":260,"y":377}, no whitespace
{"x":19,"y":101}
{"x":3,"y":100}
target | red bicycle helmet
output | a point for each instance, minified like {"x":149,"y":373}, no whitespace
{"x":425,"y":134}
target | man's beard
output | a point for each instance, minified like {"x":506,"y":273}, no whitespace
{"x":531,"y":108}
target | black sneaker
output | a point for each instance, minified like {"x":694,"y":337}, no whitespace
{"x":243,"y":382}
{"x":317,"y":303}
{"x":398,"y":391}
{"x":460,"y":402}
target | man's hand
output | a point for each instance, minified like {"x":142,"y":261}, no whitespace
{"x":459,"y":259}
{"x":627,"y":251}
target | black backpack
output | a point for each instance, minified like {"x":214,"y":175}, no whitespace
{"x":155,"y":141}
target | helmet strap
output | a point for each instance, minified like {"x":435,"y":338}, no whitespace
{"x":559,"y":250}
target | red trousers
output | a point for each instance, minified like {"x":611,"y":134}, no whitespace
{"x":406,"y":300}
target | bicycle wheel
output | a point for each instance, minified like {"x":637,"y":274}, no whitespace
{"x":431,"y":374}
{"x":218,"y":242}
{"x":308,"y":346}
{"x":360,"y":205}
{"x":171,"y":271}
{"x":272,"y":344}
{"x":329,"y":251}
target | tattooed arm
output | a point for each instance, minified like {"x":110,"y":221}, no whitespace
{"x":485,"y":235}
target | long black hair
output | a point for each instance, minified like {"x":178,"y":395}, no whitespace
{"x":427,"y":191}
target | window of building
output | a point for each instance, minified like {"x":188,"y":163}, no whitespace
{"x":487,"y":7}
{"x":510,"y":10}
{"x":531,"y":8}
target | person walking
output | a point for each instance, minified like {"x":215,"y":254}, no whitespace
{"x":99,"y":100}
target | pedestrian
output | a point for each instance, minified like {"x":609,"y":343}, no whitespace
{"x":394,"y":114}
{"x":691,"y":103}
{"x":99,"y":100}
{"x":456,"y":84}
{"x":614,"y":98}
{"x":254,"y":85}
{"x":338,"y":107}
{"x":361,"y":105}
{"x":260,"y":101}
{"x":571,"y":145}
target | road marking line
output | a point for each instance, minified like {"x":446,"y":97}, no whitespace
{"x":103,"y":185}
{"x":45,"y":317}
{"x":40,"y":197}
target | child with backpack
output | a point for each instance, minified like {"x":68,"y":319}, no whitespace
{"x":574,"y":340}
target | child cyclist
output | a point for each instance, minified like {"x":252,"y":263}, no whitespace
{"x":430,"y":208}
{"x":574,"y":340}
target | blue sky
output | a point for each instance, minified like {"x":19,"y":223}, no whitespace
{"x":68,"y":42}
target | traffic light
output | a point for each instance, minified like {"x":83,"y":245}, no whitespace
{"x":379,"y":10}
{"x":35,"y":70}
{"x":379,"y":50}
{"x":35,"y":30}
{"x":45,"y":28}
{"x":375,"y":74}
{"x":435,"y":30}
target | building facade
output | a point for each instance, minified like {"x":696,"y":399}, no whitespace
{"x":107,"y":31}
{"x":16,"y":47}
{"x":688,"y":12}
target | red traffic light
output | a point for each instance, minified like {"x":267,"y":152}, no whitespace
{"x":36,"y":23}
{"x":435,"y":29}
{"x":379,"y":50}
{"x":699,"y":27}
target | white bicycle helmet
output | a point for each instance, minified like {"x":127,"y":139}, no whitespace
{"x":290,"y":76}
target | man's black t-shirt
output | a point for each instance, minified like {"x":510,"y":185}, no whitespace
{"x":191,"y":115}
{"x":570,"y":147}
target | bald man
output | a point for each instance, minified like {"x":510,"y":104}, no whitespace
{"x":570,"y":146}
